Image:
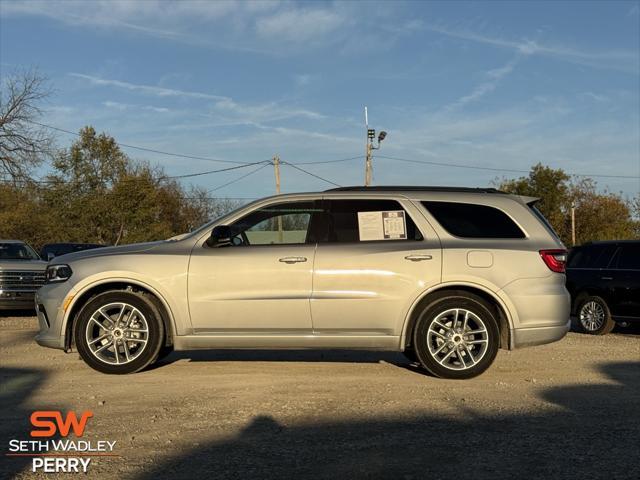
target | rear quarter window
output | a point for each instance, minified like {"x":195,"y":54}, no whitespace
{"x":468,"y":220}
{"x":628,"y":257}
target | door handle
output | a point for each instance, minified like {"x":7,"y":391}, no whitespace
{"x":418,"y":258}
{"x":291,"y":260}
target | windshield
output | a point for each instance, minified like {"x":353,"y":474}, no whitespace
{"x":204,"y":226}
{"x":17,"y":251}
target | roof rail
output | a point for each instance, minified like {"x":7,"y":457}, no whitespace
{"x":413,"y":188}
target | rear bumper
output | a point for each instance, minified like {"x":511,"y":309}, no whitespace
{"x":527,"y":337}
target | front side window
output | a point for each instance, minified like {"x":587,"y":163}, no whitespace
{"x":280,"y":224}
{"x":468,"y":220}
{"x":369,"y":220}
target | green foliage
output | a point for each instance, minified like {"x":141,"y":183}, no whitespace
{"x":97,"y":194}
{"x":599,"y":216}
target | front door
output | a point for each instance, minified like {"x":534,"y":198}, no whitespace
{"x":261,"y":284}
{"x":375,"y":262}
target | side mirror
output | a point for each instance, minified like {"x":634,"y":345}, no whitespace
{"x":220,"y":237}
{"x":50,"y":256}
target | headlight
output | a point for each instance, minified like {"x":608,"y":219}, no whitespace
{"x":58,"y":273}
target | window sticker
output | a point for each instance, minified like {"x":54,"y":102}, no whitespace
{"x":394,"y":225}
{"x":382,"y":226}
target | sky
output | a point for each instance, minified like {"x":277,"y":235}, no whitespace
{"x":497,"y":85}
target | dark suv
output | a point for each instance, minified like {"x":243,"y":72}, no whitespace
{"x":604,"y":281}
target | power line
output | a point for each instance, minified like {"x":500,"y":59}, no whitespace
{"x":475,"y":167}
{"x":164,"y":177}
{"x":330,"y":161}
{"x":145,"y":149}
{"x":239,"y":178}
{"x":312,"y":174}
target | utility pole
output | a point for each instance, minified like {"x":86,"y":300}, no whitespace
{"x":276,"y":167}
{"x":368,"y":167}
{"x":371,"y":134}
{"x":573,"y":224}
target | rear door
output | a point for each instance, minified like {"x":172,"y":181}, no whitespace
{"x":373,"y":264}
{"x":624,"y":281}
{"x":589,"y":269}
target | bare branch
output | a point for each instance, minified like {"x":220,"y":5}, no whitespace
{"x":23,"y":144}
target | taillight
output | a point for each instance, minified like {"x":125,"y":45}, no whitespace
{"x":556,"y":260}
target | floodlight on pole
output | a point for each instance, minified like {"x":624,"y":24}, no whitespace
{"x":371,"y":135}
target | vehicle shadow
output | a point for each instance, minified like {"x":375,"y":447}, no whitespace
{"x":16,"y":387}
{"x":233,"y":355}
{"x":631,"y":328}
{"x":587,"y":432}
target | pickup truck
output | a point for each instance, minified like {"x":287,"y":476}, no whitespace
{"x":22,"y":272}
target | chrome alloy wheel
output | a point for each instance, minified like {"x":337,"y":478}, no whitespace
{"x":457,"y":339}
{"x":117,"y":333}
{"x":592,"y":316}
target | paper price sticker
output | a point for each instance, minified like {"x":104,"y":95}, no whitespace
{"x":390,"y":225}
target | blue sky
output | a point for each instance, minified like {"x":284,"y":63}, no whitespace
{"x":494,"y":84}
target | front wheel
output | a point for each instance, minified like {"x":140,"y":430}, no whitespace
{"x":457,"y":336}
{"x":119,"y":332}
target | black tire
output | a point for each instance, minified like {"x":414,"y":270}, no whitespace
{"x":164,"y":352}
{"x":146,"y":354}
{"x":464,"y":354}
{"x":591,"y":306}
{"x":411,"y":354}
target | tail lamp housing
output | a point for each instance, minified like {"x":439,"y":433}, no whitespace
{"x":556,"y":260}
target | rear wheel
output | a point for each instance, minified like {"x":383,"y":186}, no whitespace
{"x":119,"y":332}
{"x":457,"y":336}
{"x":594,"y":316}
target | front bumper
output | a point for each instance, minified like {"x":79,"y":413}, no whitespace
{"x":16,"y":300}
{"x":48,"y":301}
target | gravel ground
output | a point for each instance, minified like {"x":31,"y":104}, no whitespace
{"x":566,"y":410}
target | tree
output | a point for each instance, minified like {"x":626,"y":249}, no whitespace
{"x":551,"y":186}
{"x":599,"y":216}
{"x":23,"y":144}
{"x":98,"y":194}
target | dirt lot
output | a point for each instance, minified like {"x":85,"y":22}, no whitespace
{"x":567,"y":410}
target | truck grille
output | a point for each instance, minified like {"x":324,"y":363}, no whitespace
{"x":21,"y":281}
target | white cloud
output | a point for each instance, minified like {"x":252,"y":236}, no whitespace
{"x":495,"y":76}
{"x":241,"y":113}
{"x":299,"y":25}
{"x":147,"y":89}
{"x":128,"y":106}
{"x":621,"y":60}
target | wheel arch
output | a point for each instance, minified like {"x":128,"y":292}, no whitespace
{"x":587,"y":291}
{"x":500,"y":310}
{"x":92,"y":290}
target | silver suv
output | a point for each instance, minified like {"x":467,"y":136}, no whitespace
{"x":445,"y":275}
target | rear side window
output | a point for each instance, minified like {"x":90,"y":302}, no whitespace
{"x":628,"y":257}
{"x":348,"y":219}
{"x":469,"y":220}
{"x":593,"y":256}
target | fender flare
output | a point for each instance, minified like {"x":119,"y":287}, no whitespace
{"x":409,"y":317}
